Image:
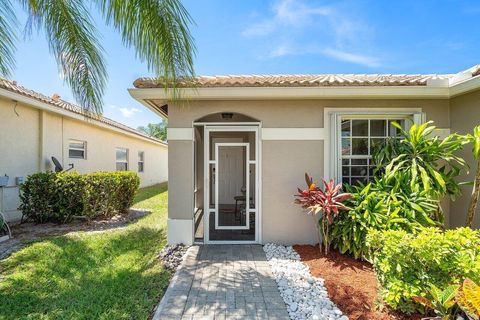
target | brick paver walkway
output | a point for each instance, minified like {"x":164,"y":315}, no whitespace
{"x":223,"y":282}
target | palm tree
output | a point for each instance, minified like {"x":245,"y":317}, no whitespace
{"x":158,"y":30}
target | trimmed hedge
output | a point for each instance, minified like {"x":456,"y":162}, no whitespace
{"x":58,"y":197}
{"x":406,"y":264}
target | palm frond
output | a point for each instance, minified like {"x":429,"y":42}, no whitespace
{"x":73,"y":39}
{"x":8,"y":36}
{"x":159,"y":32}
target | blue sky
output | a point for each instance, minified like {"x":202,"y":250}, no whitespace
{"x":285,"y":36}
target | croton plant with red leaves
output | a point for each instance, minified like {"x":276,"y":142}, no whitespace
{"x":327,"y":201}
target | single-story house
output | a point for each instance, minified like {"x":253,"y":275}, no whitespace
{"x":240,"y":145}
{"x":34,"y":128}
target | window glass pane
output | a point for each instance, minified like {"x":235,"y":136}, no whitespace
{"x":121,"y":166}
{"x":346,"y":180}
{"x":121,"y":154}
{"x":359,"y":146}
{"x":76,"y":154}
{"x":77,"y":144}
{"x":346,"y":128}
{"x":140,"y":156}
{"x":346,"y":146}
{"x":376,"y":143}
{"x":393,"y":131}
{"x":346,"y":162}
{"x":140,"y":167}
{"x":356,"y":180}
{"x":359,"y":171}
{"x":345,"y":171}
{"x":359,"y":128}
{"x":359,"y":162}
{"x":378,"y":128}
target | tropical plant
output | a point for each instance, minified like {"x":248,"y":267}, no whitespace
{"x":158,"y":30}
{"x":468,"y":298}
{"x":405,"y":262}
{"x":442,"y":302}
{"x":156,"y":130}
{"x":427,"y":162}
{"x":379,"y":206}
{"x":327,"y":202}
{"x":472,"y":208}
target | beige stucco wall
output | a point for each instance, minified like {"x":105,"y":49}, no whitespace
{"x":283,"y":162}
{"x":465,"y":115}
{"x":298,"y":113}
{"x":29,"y":140}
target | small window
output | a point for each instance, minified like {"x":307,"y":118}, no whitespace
{"x":121,"y":159}
{"x":141,"y":159}
{"x":77,"y":149}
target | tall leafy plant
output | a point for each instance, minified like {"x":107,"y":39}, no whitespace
{"x":472,"y":208}
{"x":328,"y":202}
{"x":427,"y":162}
{"x":380,"y":206}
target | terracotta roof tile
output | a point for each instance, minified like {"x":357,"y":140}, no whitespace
{"x":62,"y":104}
{"x":300,"y":80}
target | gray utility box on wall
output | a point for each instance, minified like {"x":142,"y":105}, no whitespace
{"x":3,"y":181}
{"x":9,"y":203}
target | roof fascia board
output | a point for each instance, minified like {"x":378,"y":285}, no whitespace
{"x":134,"y":93}
{"x":465,"y":86}
{"x":242,"y":93}
{"x":47,"y":107}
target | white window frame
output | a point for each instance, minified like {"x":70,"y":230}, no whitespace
{"x":332,"y":124}
{"x":141,"y":160}
{"x":117,"y":161}
{"x":84,"y":149}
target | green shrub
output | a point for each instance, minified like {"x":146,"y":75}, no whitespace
{"x":68,"y":196}
{"x":48,"y":196}
{"x":37,"y":197}
{"x":408,"y":264}
{"x":379,"y":206}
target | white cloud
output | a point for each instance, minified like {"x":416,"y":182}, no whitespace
{"x":127,"y":112}
{"x":299,"y":28}
{"x":286,"y":13}
{"x":281,"y":50}
{"x":360,"y":59}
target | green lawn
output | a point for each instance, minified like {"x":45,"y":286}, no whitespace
{"x":108,"y":275}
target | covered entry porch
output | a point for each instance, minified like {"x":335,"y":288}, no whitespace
{"x":226,"y":183}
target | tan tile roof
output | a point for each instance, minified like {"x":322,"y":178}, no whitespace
{"x":312,"y":80}
{"x":62,"y":104}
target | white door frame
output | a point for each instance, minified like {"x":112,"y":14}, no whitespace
{"x":225,"y":127}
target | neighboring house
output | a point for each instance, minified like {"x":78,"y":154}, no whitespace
{"x":34,"y":127}
{"x":239,"y":147}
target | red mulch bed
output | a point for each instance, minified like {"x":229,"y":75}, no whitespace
{"x":351,"y":284}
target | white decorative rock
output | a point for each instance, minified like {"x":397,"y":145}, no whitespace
{"x":305,"y":295}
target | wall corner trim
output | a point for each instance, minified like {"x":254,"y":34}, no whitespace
{"x":179,"y":134}
{"x":180,"y":231}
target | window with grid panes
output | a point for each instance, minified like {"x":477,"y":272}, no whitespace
{"x":359,"y":138}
